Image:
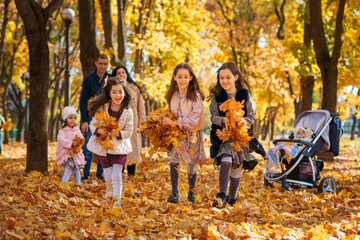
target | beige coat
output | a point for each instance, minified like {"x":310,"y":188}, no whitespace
{"x":138,"y":106}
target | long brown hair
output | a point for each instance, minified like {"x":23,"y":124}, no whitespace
{"x":193,"y":87}
{"x":96,"y":102}
{"x":216,"y":88}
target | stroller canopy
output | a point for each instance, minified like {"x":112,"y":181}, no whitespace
{"x":315,"y":120}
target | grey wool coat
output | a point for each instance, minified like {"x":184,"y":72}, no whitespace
{"x":138,"y":107}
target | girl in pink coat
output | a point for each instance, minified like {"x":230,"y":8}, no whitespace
{"x":65,"y":139}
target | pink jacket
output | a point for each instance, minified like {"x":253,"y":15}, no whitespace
{"x":65,"y":138}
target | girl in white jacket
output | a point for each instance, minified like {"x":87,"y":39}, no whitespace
{"x":114,"y":100}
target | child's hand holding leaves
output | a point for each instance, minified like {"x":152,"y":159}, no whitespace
{"x":76,"y":146}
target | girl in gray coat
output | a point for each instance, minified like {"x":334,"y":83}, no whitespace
{"x":230,"y":84}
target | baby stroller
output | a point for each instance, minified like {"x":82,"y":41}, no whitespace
{"x":304,"y":169}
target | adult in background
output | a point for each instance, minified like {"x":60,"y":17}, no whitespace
{"x":138,"y":107}
{"x":91,"y":87}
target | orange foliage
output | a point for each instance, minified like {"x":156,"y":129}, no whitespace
{"x":235,"y":130}
{"x":7,"y":125}
{"x":40,"y":208}
{"x":163,"y":137}
{"x":79,"y":142}
{"x":111,"y":126}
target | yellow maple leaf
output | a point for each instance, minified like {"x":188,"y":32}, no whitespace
{"x":7,"y":125}
{"x":100,"y":115}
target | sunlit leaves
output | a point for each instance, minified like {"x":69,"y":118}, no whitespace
{"x":110,"y":125}
{"x":7,"y":125}
{"x":235,"y":130}
{"x":35,"y":206}
{"x":163,"y":137}
{"x":78,"y":142}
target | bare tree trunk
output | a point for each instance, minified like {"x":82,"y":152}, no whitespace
{"x":352,"y":133}
{"x":327,"y":64}
{"x":307,"y":82}
{"x":307,"y":86}
{"x":35,"y":19}
{"x":56,"y":97}
{"x":2,"y":40}
{"x":353,"y":127}
{"x":296,"y":102}
{"x":88,"y":48}
{"x":121,"y":33}
{"x":17,"y":100}
{"x":20,"y":124}
{"x":105,"y":6}
{"x":140,"y":30}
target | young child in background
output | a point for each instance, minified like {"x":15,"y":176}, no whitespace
{"x":287,"y":149}
{"x":185,"y":100}
{"x":65,"y":141}
{"x":230,"y":84}
{"x":115,"y":99}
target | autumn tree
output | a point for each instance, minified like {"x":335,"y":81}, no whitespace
{"x":35,"y":18}
{"x":11,"y":65}
{"x":88,"y":48}
{"x":327,"y":63}
{"x":121,"y":30}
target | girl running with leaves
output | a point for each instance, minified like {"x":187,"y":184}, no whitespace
{"x":185,"y":100}
{"x":230,"y":84}
{"x":111,"y":127}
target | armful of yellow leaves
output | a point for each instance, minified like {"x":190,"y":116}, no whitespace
{"x":163,"y":137}
{"x":76,"y":149}
{"x":235,"y":130}
{"x":110,"y":124}
{"x":7,"y":125}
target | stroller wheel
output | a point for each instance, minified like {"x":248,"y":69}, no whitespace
{"x":327,"y":185}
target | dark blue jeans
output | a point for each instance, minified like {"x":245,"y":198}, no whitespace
{"x":88,"y":158}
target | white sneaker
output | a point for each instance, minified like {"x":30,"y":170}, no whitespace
{"x":117,"y":204}
{"x":109,"y":189}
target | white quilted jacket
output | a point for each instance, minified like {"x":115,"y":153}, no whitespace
{"x":123,"y":146}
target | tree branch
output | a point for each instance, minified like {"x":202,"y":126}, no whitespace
{"x":318,"y":34}
{"x":53,"y":5}
{"x":338,"y":31}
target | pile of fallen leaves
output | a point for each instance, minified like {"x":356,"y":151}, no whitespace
{"x":111,"y":126}
{"x":163,"y":137}
{"x":35,"y":206}
{"x":235,"y":130}
{"x":78,"y":142}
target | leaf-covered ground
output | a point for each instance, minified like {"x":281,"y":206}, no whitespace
{"x":34,"y":206}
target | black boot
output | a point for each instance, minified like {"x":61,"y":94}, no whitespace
{"x":230,"y":201}
{"x":173,"y":198}
{"x":221,"y":200}
{"x":192,"y":182}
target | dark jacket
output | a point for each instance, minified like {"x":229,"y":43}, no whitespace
{"x":241,"y":94}
{"x":91,"y":87}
